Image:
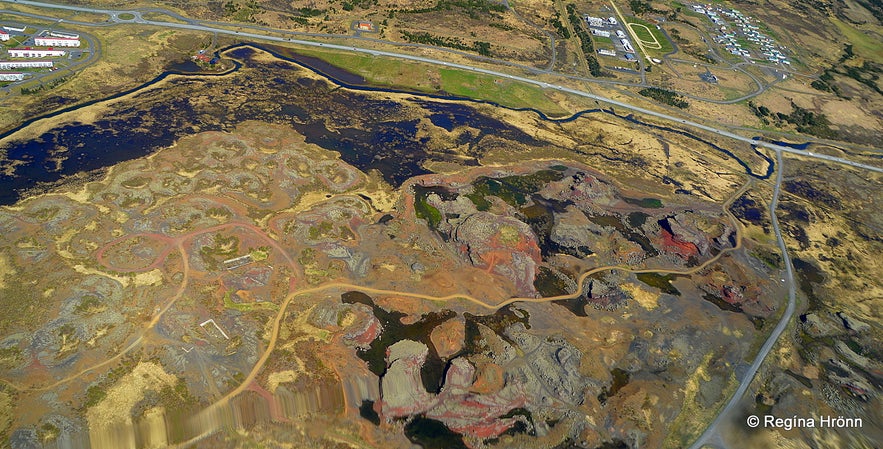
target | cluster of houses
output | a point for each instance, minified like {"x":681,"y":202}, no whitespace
{"x":57,"y":41}
{"x":11,"y":76}
{"x":599,"y":22}
{"x":597,"y":26}
{"x":45,"y":46}
{"x":746,"y":29}
{"x":28,"y":52}
{"x":32,"y":64}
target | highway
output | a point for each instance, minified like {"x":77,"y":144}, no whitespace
{"x":710,"y":436}
{"x":115,"y":19}
{"x":198,"y":26}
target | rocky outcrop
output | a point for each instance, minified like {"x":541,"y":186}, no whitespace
{"x":684,"y":232}
{"x":843,"y":375}
{"x":401,"y":387}
{"x":575,"y":232}
{"x":478,"y":416}
{"x":502,"y":245}
{"x":460,"y":410}
{"x":851,"y":323}
{"x":447,"y":338}
{"x":585,"y":190}
{"x":369,"y":330}
{"x":533,"y":374}
{"x":817,"y":326}
{"x":551,"y":370}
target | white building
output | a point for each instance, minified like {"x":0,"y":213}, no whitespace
{"x":4,"y":36}
{"x":601,"y":33}
{"x":19,"y":30}
{"x":620,"y":34}
{"x":627,"y":45}
{"x":24,"y":64}
{"x":606,"y":52}
{"x":594,"y":21}
{"x":64,"y":35}
{"x":32,"y":53}
{"x":612,"y":21}
{"x":56,"y":42}
{"x":11,"y":76}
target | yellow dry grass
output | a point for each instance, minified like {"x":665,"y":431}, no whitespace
{"x":280,"y":377}
{"x":6,"y":412}
{"x":152,"y":277}
{"x":128,"y":391}
{"x":6,"y":270}
{"x":645,"y":298}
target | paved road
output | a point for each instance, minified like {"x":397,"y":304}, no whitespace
{"x":115,"y":19}
{"x":710,"y":432}
{"x":641,"y":66}
{"x":554,"y":58}
{"x":198,"y":26}
{"x":710,"y":436}
{"x":92,"y":51}
{"x":761,"y":87}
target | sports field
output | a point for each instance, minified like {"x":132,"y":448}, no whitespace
{"x":645,"y":36}
{"x":650,"y":37}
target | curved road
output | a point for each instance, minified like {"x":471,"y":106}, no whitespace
{"x":554,"y":58}
{"x":708,"y":436}
{"x":114,"y":18}
{"x":710,"y":432}
{"x":93,"y":51}
{"x":244,"y":34}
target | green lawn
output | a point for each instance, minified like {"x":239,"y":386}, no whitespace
{"x":602,"y":40}
{"x":391,"y":72}
{"x":642,"y":33}
{"x":645,"y":35}
{"x":862,"y":43}
{"x":502,"y":91}
{"x":378,"y":71}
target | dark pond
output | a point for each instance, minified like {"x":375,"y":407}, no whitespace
{"x":383,"y":140}
{"x":620,"y":380}
{"x":366,"y":411}
{"x":660,"y":281}
{"x":432,"y":434}
{"x":394,"y":331}
{"x":809,"y":276}
{"x":647,"y":203}
{"x":747,"y":209}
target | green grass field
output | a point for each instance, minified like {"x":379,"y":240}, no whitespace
{"x":644,"y":34}
{"x":380,"y":71}
{"x":391,"y":72}
{"x":862,"y":43}
{"x":648,"y":33}
{"x":602,"y":40}
{"x":502,"y":91}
